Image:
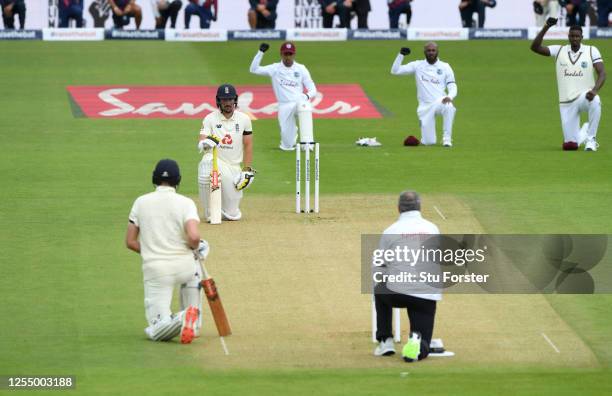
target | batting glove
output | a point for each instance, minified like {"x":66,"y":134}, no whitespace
{"x":550,"y":22}
{"x":246,"y":178}
{"x":210,"y":142}
{"x":202,"y":251}
{"x":263,"y":47}
{"x":405,"y":51}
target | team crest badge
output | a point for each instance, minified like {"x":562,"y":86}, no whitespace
{"x":584,"y":64}
{"x":439,"y":72}
{"x":237,"y":128}
{"x":296,"y":74}
{"x":218,"y":126}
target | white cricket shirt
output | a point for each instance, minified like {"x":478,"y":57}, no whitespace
{"x":575,"y":71}
{"x":161,"y":216}
{"x":432,"y":81}
{"x":230,"y":131}
{"x":288,"y":83}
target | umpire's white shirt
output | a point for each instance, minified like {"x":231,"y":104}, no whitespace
{"x":287,"y":82}
{"x":432,"y":81}
{"x":161,"y":216}
{"x":411,"y":223}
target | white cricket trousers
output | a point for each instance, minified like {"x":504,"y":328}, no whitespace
{"x":287,"y":113}
{"x":158,"y":293}
{"x":570,"y":117}
{"x":230,"y":197}
{"x":427,"y":113}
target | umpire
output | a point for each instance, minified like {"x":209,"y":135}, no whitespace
{"x":419,"y":299}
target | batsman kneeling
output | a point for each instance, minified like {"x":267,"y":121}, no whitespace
{"x":226,"y":141}
{"x":163,"y":229}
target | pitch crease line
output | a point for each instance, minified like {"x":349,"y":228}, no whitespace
{"x":439,"y":212}
{"x":551,"y":343}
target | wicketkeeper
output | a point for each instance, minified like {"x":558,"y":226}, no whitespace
{"x":289,"y":79}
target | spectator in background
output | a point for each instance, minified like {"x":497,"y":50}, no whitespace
{"x":576,"y":11}
{"x":70,"y":9}
{"x":362,"y":8}
{"x":545,"y":9}
{"x":164,"y":9}
{"x":331,"y":8}
{"x":396,"y":9}
{"x":100,"y":11}
{"x":604,"y":7}
{"x":262,"y":14}
{"x":203,"y":9}
{"x":11,"y":8}
{"x":123,"y":11}
{"x":467,"y":8}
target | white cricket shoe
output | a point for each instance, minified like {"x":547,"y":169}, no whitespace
{"x":447,"y":143}
{"x":286,"y":148}
{"x":385,"y":348}
{"x":591,"y":145}
{"x":582,"y":134}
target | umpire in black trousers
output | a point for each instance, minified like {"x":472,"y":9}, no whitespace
{"x":411,"y":230}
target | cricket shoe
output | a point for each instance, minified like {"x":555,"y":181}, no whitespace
{"x":286,"y":148}
{"x":190,"y":320}
{"x":447,"y":143}
{"x":412,"y":349}
{"x":385,"y":348}
{"x":591,"y":145}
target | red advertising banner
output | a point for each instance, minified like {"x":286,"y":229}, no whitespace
{"x":332,"y":101}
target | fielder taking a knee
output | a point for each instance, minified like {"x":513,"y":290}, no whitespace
{"x":231,"y":132}
{"x":436,"y":90}
{"x":576,"y":66}
{"x":289,"y":79}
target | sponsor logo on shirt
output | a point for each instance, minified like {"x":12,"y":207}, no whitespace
{"x":572,"y":74}
{"x":288,"y":83}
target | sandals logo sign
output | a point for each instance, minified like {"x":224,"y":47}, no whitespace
{"x":258,"y":101}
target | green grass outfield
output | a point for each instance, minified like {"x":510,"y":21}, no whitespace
{"x":72,"y":294}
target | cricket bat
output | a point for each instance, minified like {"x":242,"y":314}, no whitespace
{"x":215,"y":190}
{"x":214,"y":301}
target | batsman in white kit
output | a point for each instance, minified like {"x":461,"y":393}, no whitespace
{"x":436,"y":90}
{"x":289,"y":79}
{"x":578,"y":90}
{"x":226,"y":141}
{"x":163,"y":229}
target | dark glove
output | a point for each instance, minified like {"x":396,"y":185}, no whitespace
{"x":550,"y":22}
{"x":492,"y":3}
{"x":405,"y":51}
{"x":537,"y":8}
{"x":263,"y":47}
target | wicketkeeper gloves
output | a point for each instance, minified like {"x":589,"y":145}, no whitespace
{"x":405,"y":51}
{"x":263,"y":47}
